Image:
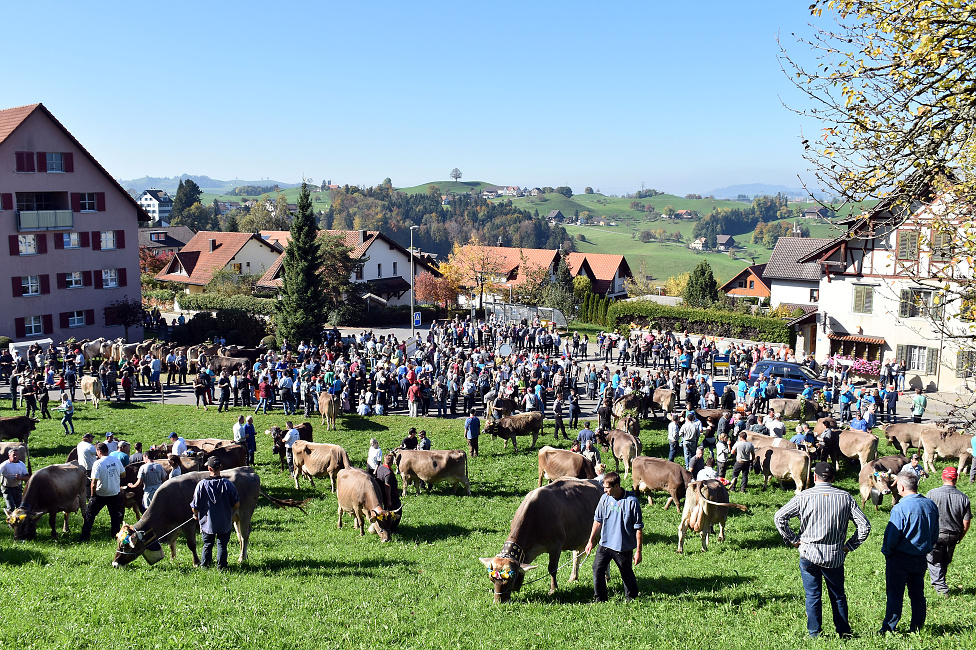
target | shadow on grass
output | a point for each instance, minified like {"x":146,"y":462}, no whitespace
{"x":359,"y":423}
{"x":435,"y":532}
{"x":15,"y":556}
{"x":371,"y":568}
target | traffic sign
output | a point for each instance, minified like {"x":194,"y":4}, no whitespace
{"x":416,"y":319}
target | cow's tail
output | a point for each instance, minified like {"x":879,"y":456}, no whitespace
{"x":286,"y":503}
{"x":347,"y":464}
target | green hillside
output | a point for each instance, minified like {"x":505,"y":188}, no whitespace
{"x":449,"y":186}
{"x":319,"y":199}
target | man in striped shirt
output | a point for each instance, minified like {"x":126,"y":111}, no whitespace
{"x":824,"y":513}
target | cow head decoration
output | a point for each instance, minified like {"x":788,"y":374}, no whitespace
{"x":506,"y":571}
{"x":385,"y":522}
{"x":24,"y":523}
{"x":132,"y":543}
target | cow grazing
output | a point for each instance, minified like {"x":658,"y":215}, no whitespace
{"x":706,"y":504}
{"x":624,"y":446}
{"x":278,"y":445}
{"x":562,"y":463}
{"x":17,"y":427}
{"x":169,"y":516}
{"x":230,"y":456}
{"x":327,"y":409}
{"x":630,"y":424}
{"x":90,"y":387}
{"x":651,"y":474}
{"x":436,"y":466}
{"x":859,"y":444}
{"x":315,"y":460}
{"x":523,"y":424}
{"x":947,"y":444}
{"x":783,"y":464}
{"x":53,"y":489}
{"x":551,"y":519}
{"x":359,"y":494}
{"x":22,"y":455}
{"x":877,"y":477}
{"x":794,"y":409}
{"x":906,"y":434}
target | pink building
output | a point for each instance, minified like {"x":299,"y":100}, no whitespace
{"x":72,"y":233}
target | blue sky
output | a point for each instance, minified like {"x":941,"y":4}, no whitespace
{"x":682,"y":96}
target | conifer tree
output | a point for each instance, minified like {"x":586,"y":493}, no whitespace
{"x":300,"y":312}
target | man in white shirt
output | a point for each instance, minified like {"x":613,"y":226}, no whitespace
{"x":86,"y":453}
{"x":775,"y":425}
{"x":289,"y":440}
{"x":110,"y":442}
{"x":239,"y":430}
{"x":106,"y":490}
{"x":13,"y":473}
{"x":179,"y":445}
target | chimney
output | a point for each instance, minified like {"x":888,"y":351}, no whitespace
{"x":363,"y":236}
{"x":213,"y":245}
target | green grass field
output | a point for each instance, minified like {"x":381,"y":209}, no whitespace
{"x":309,"y":585}
{"x":452,"y":186}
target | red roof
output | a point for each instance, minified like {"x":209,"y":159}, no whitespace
{"x":603,"y":265}
{"x":507,"y":261}
{"x":756,"y":270}
{"x":198,"y":263}
{"x":12,"y":118}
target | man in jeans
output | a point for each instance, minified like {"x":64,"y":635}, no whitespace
{"x":744,"y":452}
{"x":215,"y":501}
{"x":824,"y":513}
{"x":106,"y":491}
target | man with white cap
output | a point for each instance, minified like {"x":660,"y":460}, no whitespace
{"x":954,"y":516}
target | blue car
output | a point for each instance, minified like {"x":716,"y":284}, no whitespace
{"x":794,"y":376}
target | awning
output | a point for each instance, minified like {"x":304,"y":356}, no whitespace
{"x":388,"y":286}
{"x":857,"y":338}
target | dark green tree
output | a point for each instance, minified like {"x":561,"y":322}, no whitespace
{"x":701,"y":290}
{"x":301,"y":310}
{"x":187,"y":194}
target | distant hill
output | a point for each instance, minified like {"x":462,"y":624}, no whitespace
{"x":458,"y":187}
{"x":752,"y":190}
{"x":207,"y":184}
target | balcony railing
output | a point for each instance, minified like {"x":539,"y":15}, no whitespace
{"x":45,"y":220}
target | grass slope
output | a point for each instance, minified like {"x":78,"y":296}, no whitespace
{"x":309,"y":585}
{"x":320,"y":200}
{"x":448,"y":186}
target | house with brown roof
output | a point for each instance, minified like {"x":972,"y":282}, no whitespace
{"x":607,"y":272}
{"x":504,"y":266}
{"x":71,"y":230}
{"x":747,"y":282}
{"x":209,"y":252}
{"x":386,"y":267}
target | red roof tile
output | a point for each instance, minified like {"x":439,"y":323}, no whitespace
{"x":603,"y":265}
{"x":200,"y":263}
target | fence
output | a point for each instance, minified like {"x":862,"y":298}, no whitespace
{"x":508,"y":312}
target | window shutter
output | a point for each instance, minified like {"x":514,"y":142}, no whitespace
{"x":62,"y":280}
{"x":14,"y":245}
{"x":932,"y":361}
{"x":58,"y":241}
{"x":905,"y":306}
{"x":98,"y":279}
{"x":48,"y":321}
{"x":76,"y":202}
{"x":45,"y":284}
{"x":100,"y":201}
{"x":868,"y":300}
{"x":85,"y":239}
{"x":900,"y":353}
{"x":20,"y":327}
{"x":64,"y":319}
{"x":86,"y":278}
{"x":122,"y":277}
{"x":902,"y":245}
{"x":96,"y":240}
{"x":6,"y":201}
{"x":89,"y":317}
{"x":20,"y":165}
{"x":41,"y":243}
{"x":18,"y":286}
{"x":961,"y":363}
{"x":858,"y":300}
{"x":25,"y":161}
{"x":120,"y":239}
{"x":42,"y":162}
{"x":69,"y":161}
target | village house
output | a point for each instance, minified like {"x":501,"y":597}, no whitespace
{"x":725,"y":242}
{"x":606,"y":272}
{"x":210,"y":252}
{"x":158,"y":205}
{"x":699,"y":244}
{"x":165,"y":240}
{"x":748,"y":282}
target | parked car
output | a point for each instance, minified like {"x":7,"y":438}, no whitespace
{"x":793,"y":375}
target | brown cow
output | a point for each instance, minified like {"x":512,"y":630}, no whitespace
{"x":629,"y":402}
{"x":948,"y":444}
{"x":55,"y":488}
{"x":651,"y":474}
{"x":906,"y":434}
{"x":663,"y":399}
{"x":278,"y":445}
{"x":877,"y":477}
{"x":230,"y":456}
{"x":558,"y":463}
{"x":823,"y":423}
{"x":230,"y":364}
{"x":709,"y":414}
{"x":432,"y":466}
{"x":315,"y":460}
{"x":862,"y":445}
{"x":22,"y":455}
{"x":794,"y":409}
{"x":783,"y":464}
{"x":359,"y":494}
{"x":630,"y":424}
{"x":523,"y":424}
{"x":706,"y":504}
{"x":327,"y":409}
{"x":17,"y":427}
{"x":624,"y":447}
{"x":551,"y":519}
{"x":502,"y":407}
{"x":761,"y":440}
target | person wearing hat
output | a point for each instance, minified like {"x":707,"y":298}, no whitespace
{"x":86,"y":453}
{"x":954,"y":517}
{"x":214,"y":504}
{"x":110,"y":442}
{"x":106,"y":491}
{"x":179,"y":445}
{"x":825,"y":513}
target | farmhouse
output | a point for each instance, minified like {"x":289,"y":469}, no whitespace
{"x":790,"y":281}
{"x":504,"y":267}
{"x":606,"y":272}
{"x":386,"y":270}
{"x":726,"y":242}
{"x":208,"y":253}
{"x":71,"y":230}
{"x":699,"y":244}
{"x":748,"y":282}
{"x":555,"y":216}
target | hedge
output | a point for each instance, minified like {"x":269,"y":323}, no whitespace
{"x":710,"y":322}
{"x":162,"y":295}
{"x":213,"y":302}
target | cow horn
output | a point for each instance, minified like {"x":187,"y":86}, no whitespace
{"x":397,"y":511}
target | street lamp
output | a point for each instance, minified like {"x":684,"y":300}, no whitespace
{"x":413,"y":331}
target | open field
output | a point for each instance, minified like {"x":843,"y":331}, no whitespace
{"x":292,"y":194}
{"x":309,"y":585}
{"x":452,"y":186}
